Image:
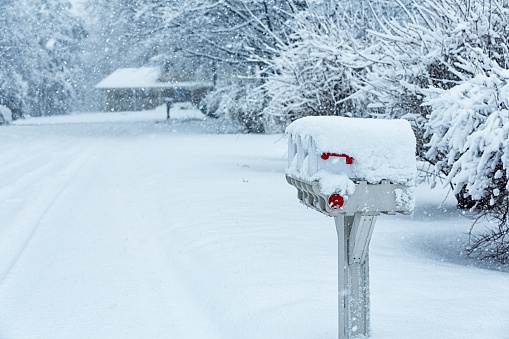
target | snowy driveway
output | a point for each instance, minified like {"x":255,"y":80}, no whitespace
{"x":133,"y":229}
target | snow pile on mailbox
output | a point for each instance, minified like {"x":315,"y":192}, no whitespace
{"x":338,"y":153}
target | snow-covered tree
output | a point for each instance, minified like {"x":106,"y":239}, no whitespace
{"x":447,"y":62}
{"x":469,"y":128}
{"x":317,"y":69}
{"x":13,"y":47}
{"x":321,"y":68}
{"x":38,"y":56}
{"x":433,"y":47}
{"x":415,"y":52}
{"x":58,"y":34}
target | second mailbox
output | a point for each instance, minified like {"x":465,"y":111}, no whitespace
{"x":349,"y":165}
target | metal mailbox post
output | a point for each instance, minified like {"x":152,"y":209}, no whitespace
{"x":352,"y":179}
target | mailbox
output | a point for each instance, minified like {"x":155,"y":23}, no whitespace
{"x":353,"y":170}
{"x":347,"y":166}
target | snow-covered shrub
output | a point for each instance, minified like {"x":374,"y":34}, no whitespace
{"x":240,"y":102}
{"x":473,"y":46}
{"x":39,"y":56}
{"x":447,"y":62}
{"x":5,"y":115}
{"x":469,"y":128}
{"x":437,"y":45}
{"x":316,"y":71}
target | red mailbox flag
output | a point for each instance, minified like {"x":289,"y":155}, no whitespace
{"x":349,"y":159}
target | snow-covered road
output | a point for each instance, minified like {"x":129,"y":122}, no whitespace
{"x":119,"y":226}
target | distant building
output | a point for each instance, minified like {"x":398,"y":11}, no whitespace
{"x":135,"y":89}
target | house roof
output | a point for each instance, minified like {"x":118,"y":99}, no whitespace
{"x":145,"y":77}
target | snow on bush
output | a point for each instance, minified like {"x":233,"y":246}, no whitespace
{"x":316,"y":71}
{"x":447,"y":63}
{"x":240,"y":102}
{"x":469,"y":130}
{"x":465,"y":126}
{"x":5,"y":115}
{"x":439,"y":44}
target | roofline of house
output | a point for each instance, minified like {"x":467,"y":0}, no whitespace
{"x":183,"y":85}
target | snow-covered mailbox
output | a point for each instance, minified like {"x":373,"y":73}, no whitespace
{"x":353,"y":170}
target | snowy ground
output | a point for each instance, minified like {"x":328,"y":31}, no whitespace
{"x":121,"y":225}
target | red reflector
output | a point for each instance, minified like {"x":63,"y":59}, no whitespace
{"x":336,"y":201}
